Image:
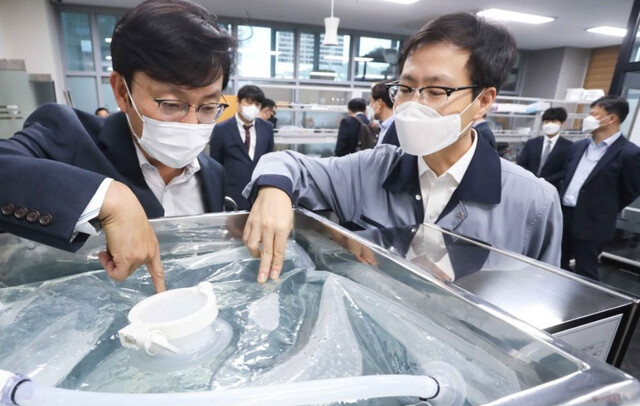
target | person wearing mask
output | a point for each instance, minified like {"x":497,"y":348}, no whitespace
{"x":239,"y":142}
{"x":451,"y":70}
{"x":76,"y":173}
{"x":546,"y":156}
{"x":102,"y":112}
{"x":268,"y":111}
{"x":484,"y":131}
{"x":601,"y":179}
{"x":382,"y":107}
{"x":349,"y":129}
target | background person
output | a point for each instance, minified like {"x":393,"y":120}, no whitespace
{"x":601,"y":179}
{"x":102,"y":112}
{"x":268,"y":111}
{"x":382,"y":107}
{"x":347,"y":142}
{"x":546,"y":155}
{"x":239,"y":142}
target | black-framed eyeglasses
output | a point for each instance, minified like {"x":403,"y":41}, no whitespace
{"x":176,"y":110}
{"x":432,"y":96}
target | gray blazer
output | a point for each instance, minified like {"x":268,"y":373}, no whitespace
{"x":497,"y":202}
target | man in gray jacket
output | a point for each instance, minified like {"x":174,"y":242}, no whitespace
{"x":451,"y":71}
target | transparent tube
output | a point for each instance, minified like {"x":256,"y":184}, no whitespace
{"x":29,"y":393}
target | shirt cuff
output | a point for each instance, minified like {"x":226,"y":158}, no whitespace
{"x":279,"y":181}
{"x":84,"y":224}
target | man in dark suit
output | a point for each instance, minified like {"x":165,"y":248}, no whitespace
{"x":68,"y":173}
{"x":239,"y":142}
{"x":383,"y":112}
{"x":350,"y":127}
{"x":546,"y":155}
{"x":482,"y":129}
{"x":601,"y":179}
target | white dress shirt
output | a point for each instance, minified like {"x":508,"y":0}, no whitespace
{"x":428,"y":245}
{"x":252,"y":135}
{"x":182,"y":196}
{"x":384,"y":127}
{"x":554,"y":141}
{"x":589,"y":160}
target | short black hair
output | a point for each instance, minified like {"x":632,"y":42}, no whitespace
{"x":613,"y":105}
{"x":380,"y":92}
{"x":555,"y":114}
{"x":267,"y":102}
{"x":99,"y":109}
{"x":174,"y":41}
{"x":492,"y":48}
{"x":357,"y":105}
{"x":251,"y":92}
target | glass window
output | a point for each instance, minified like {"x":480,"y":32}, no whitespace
{"x":83,"y":92}
{"x":76,"y":35}
{"x":108,"y":99}
{"x":317,"y":61}
{"x":377,"y":59}
{"x":264,"y":52}
{"x":106,"y":23}
{"x":512,"y":81}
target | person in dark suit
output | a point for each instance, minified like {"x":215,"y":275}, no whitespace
{"x":350,"y":126}
{"x":545,"y":156}
{"x":482,"y":129}
{"x":601,"y":179}
{"x":383,"y":112}
{"x":239,"y":142}
{"x":67,"y":172}
{"x":268,"y":111}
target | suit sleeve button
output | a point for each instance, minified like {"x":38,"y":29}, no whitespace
{"x":45,"y":219}
{"x":7,"y":209}
{"x":20,"y":212}
{"x":32,"y":216}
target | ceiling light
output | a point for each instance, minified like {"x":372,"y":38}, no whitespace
{"x":331,"y":29}
{"x":608,"y":30}
{"x":107,"y":40}
{"x":505,"y":15}
{"x":362,"y":59}
{"x":402,"y":1}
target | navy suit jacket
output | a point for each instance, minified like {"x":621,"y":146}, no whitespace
{"x":55,"y":164}
{"x":348,"y":135}
{"x":228,"y":148}
{"x":485,"y":132}
{"x":609,"y":188}
{"x":554,"y":168}
{"x":391,"y":136}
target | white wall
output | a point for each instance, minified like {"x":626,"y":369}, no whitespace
{"x":28,"y":32}
{"x":550,"y":72}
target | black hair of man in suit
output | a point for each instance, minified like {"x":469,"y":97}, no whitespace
{"x":555,"y":114}
{"x":613,"y":105}
{"x":173,"y":41}
{"x":251,"y":93}
{"x":357,"y":105}
{"x":492,"y":49}
{"x":380,"y":92}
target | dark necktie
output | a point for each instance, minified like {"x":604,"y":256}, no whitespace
{"x":247,"y":137}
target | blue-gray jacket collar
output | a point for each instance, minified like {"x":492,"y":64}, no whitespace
{"x":482,"y":182}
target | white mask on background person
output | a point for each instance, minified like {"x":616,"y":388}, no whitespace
{"x":174,"y":144}
{"x":590,"y":123}
{"x":550,"y":128}
{"x":423,"y":131}
{"x":250,"y":112}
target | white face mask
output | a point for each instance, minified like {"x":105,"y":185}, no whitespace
{"x":250,"y":112}
{"x":590,"y":123}
{"x":423,"y":131}
{"x":551,"y":128}
{"x":173,"y":144}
